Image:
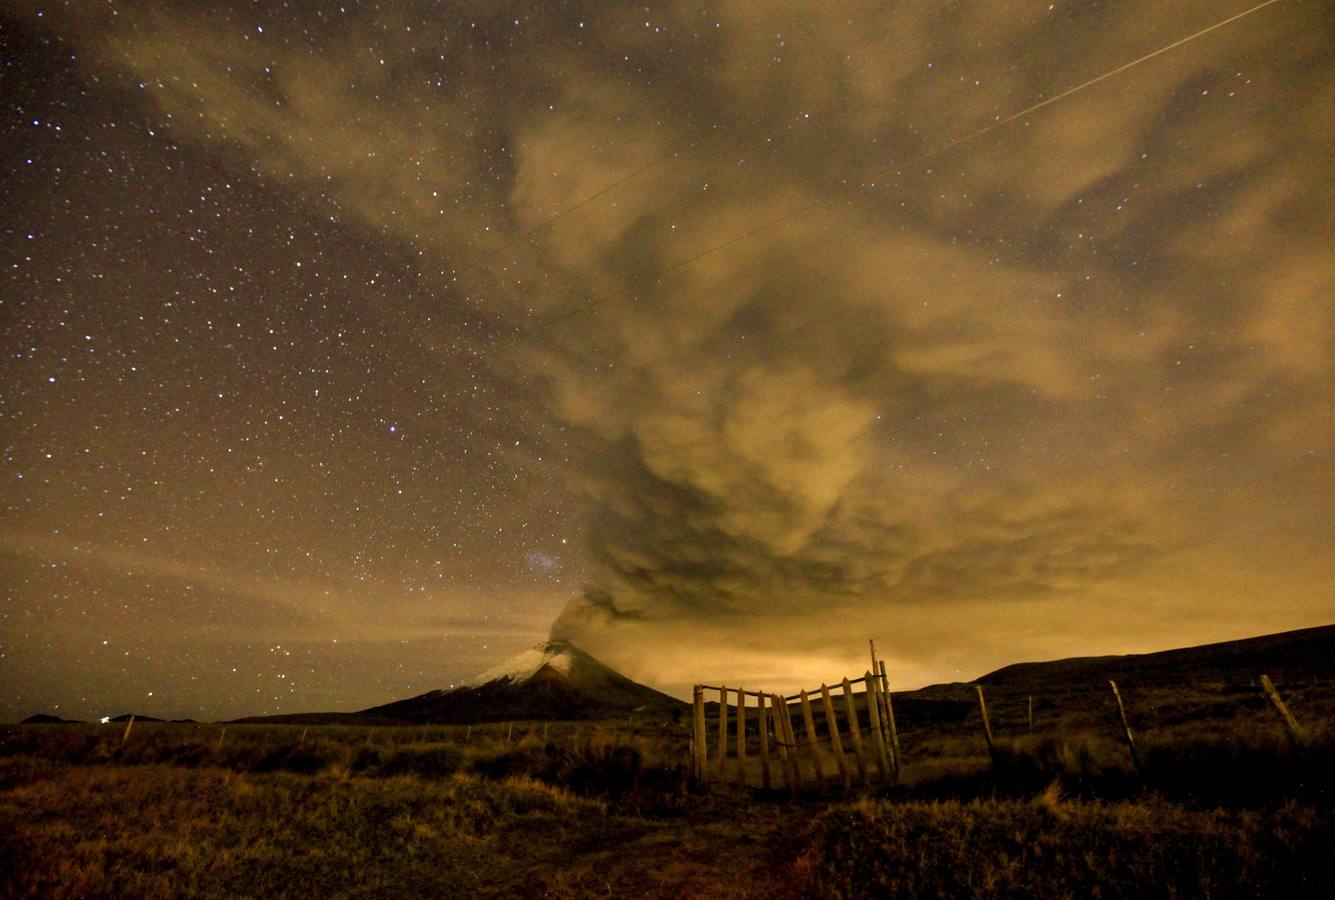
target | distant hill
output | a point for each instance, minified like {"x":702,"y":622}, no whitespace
{"x":1308,"y":652}
{"x":553,"y":681}
{"x":47,"y":719}
{"x":1186,"y":684}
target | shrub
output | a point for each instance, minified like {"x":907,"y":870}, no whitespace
{"x":422,"y":760}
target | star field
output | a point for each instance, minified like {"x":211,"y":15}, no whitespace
{"x":348,"y":348}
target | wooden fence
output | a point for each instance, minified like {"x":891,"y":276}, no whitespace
{"x":864,"y":744}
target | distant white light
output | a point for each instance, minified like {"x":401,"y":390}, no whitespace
{"x":105,"y":720}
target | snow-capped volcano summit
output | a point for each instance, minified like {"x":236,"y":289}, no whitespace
{"x":559,"y":656}
{"x":554,"y":680}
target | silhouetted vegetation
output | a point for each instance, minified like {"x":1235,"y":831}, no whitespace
{"x":1054,"y":847}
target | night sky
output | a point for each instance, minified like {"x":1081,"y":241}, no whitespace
{"x":348,"y":350}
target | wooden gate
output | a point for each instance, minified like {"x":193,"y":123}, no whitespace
{"x":848,"y":736}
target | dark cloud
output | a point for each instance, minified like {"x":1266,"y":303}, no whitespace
{"x":1033,"y":394}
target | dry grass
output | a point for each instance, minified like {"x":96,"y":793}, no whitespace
{"x":445,"y":811}
{"x":635,"y":773}
{"x":353,"y":812}
{"x":1053,"y":847}
{"x":159,"y":831}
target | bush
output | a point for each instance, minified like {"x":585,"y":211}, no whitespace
{"x":612,"y":771}
{"x":422,"y":760}
{"x":305,"y":758}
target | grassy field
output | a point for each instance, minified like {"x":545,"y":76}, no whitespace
{"x":607,"y":809}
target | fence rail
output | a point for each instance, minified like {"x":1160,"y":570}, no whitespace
{"x":845,"y":749}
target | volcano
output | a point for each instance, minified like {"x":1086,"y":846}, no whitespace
{"x":553,"y":681}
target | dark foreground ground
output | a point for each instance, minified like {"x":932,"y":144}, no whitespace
{"x":606,"y":810}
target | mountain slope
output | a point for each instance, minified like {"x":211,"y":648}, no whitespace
{"x":554,"y":680}
{"x":1309,"y":652}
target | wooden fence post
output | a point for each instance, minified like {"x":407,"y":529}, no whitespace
{"x":1126,"y":727}
{"x":987,"y":725}
{"x":880,"y":710}
{"x":764,"y":743}
{"x":890,"y":721}
{"x":128,"y":725}
{"x":698,"y":734}
{"x":874,"y":724}
{"x":722,"y":730}
{"x":1031,"y":715}
{"x":832,"y":725}
{"x":222,"y":735}
{"x":781,"y":739}
{"x":813,"y":742}
{"x":1290,"y":723}
{"x":790,"y":736}
{"x":854,"y":732}
{"x":741,"y":736}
